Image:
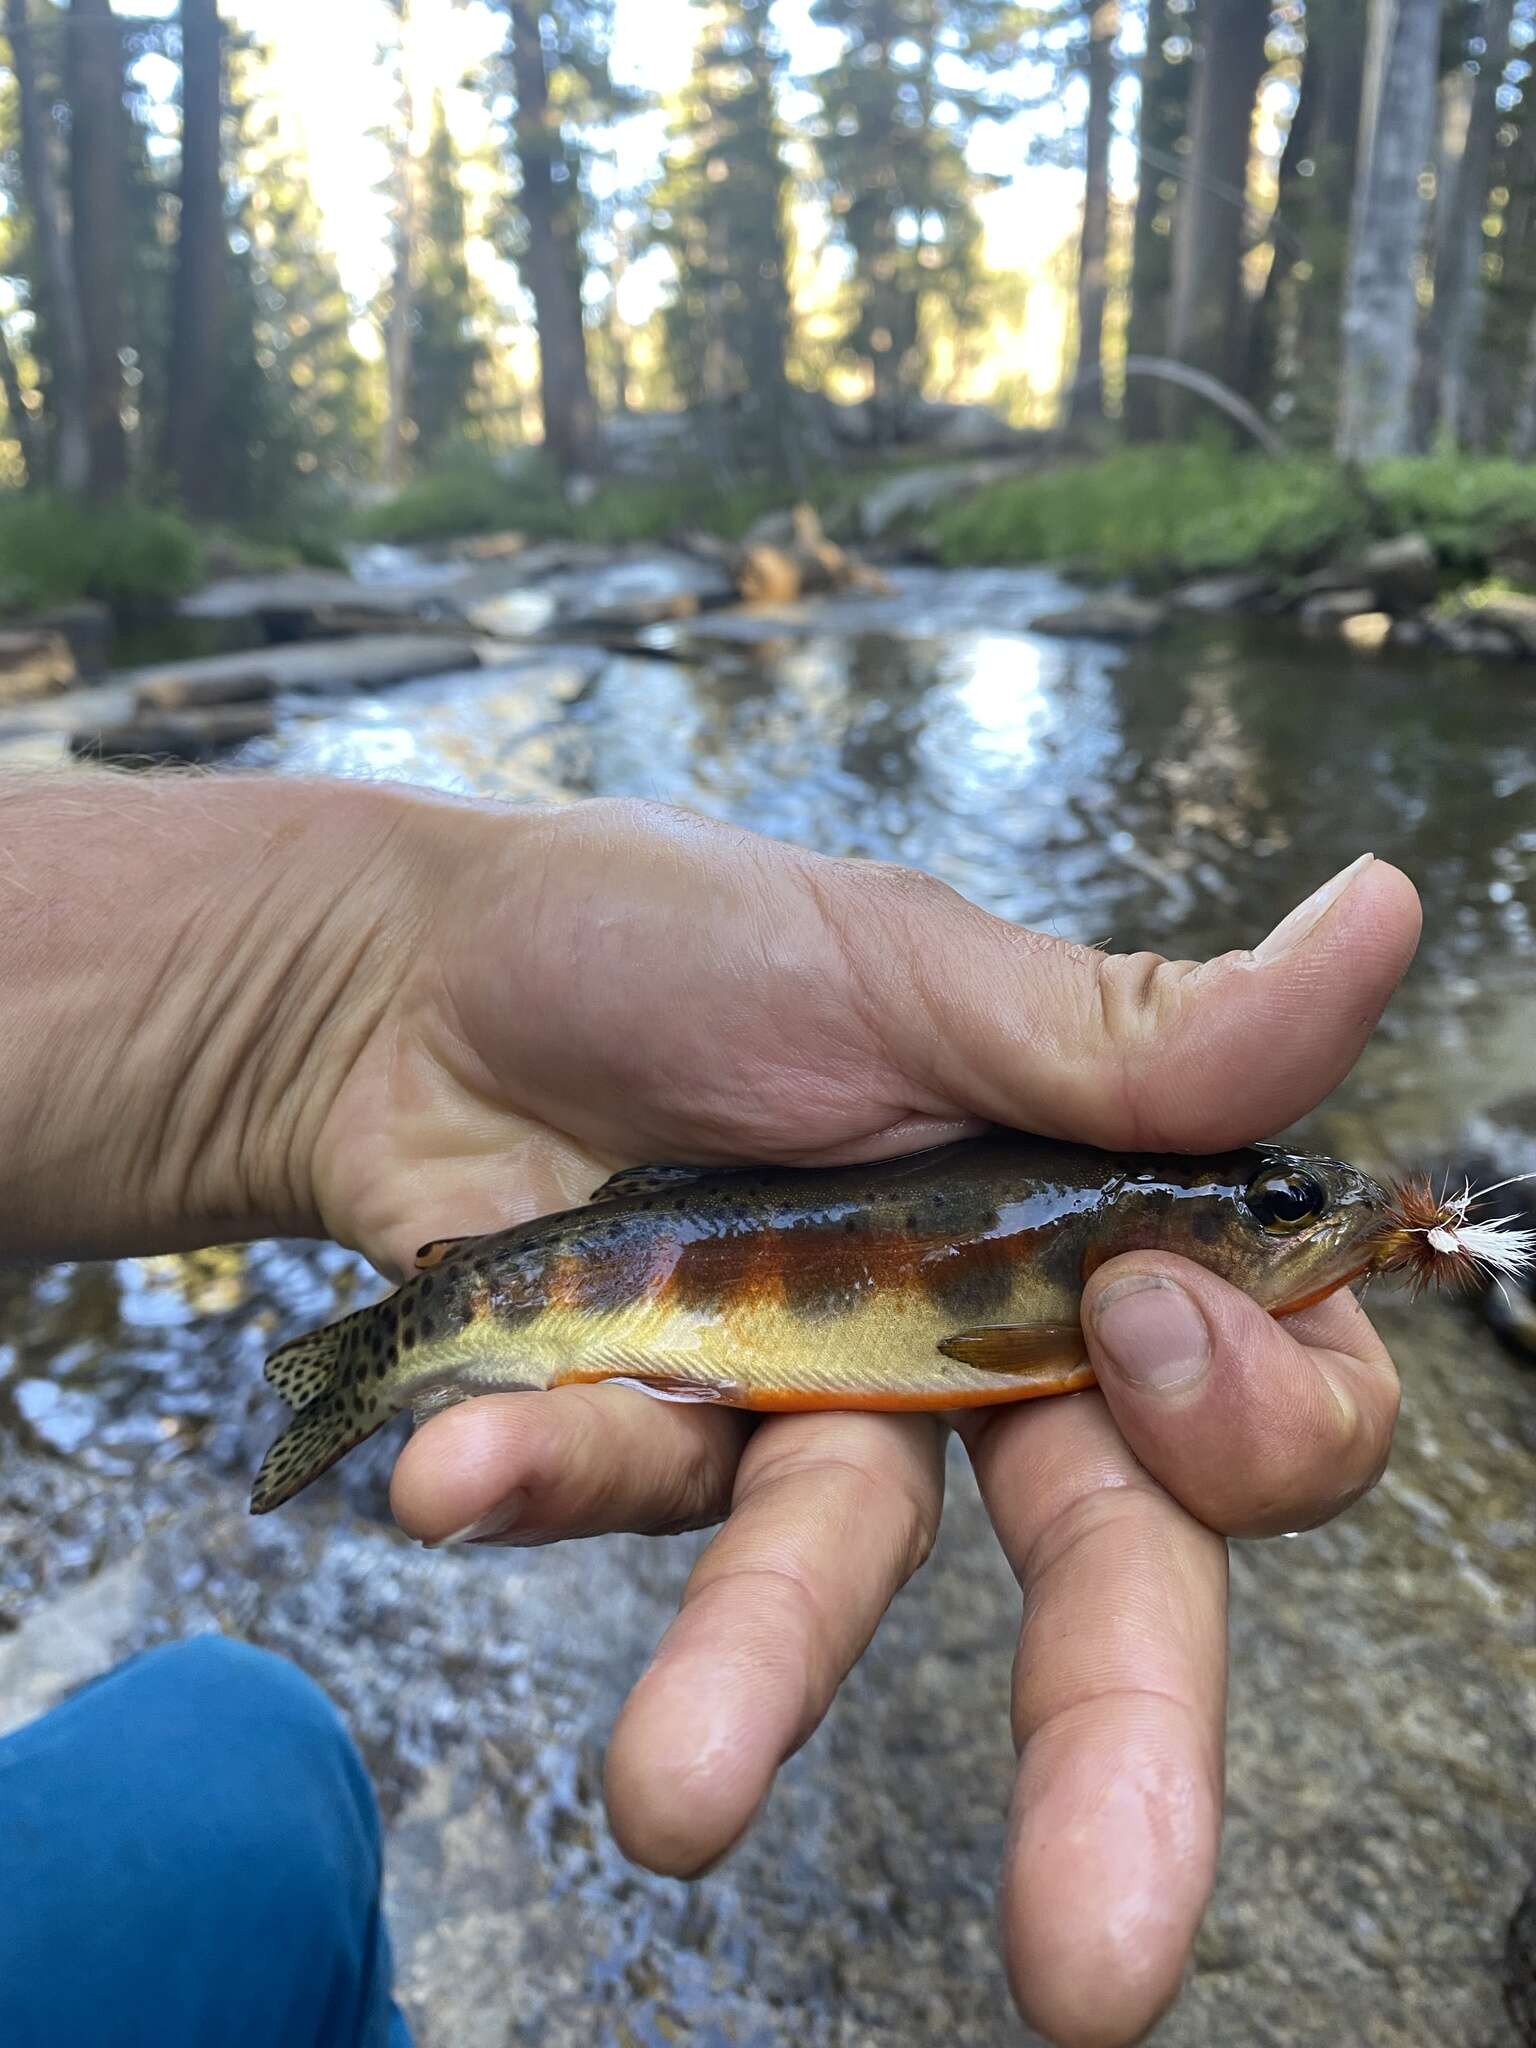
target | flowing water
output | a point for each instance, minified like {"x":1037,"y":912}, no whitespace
{"x":1181,"y":795}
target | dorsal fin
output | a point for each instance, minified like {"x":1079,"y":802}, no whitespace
{"x":645,"y":1180}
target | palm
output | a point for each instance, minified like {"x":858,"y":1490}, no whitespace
{"x":467,"y":1111}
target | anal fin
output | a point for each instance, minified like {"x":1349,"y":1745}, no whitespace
{"x":691,"y":1392}
{"x":1052,"y":1354}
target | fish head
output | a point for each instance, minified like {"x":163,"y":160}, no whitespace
{"x":1287,"y":1227}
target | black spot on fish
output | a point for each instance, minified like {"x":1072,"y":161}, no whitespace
{"x":426,"y":1286}
{"x":1205,"y":1223}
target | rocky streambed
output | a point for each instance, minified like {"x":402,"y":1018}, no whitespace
{"x":1179,"y":792}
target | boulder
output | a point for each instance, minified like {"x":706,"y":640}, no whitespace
{"x":1105,"y":618}
{"x":1234,"y":593}
{"x":1326,"y":611}
{"x":35,"y":661}
{"x":1396,"y":574}
{"x":1510,"y":614}
{"x":1410,"y":632}
{"x":1367,"y":632}
{"x":1467,"y":633}
{"x":1403,"y":571}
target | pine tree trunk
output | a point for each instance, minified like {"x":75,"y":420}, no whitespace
{"x":1452,"y":328}
{"x":22,"y":424}
{"x":94,"y":73}
{"x":1264,"y":336}
{"x":1386,"y":228}
{"x":553,"y":263}
{"x":1206,"y":328}
{"x":197,"y":300}
{"x":55,"y":267}
{"x":1522,"y":437}
{"x":399,"y":328}
{"x":1087,"y":393}
{"x":1160,"y":127}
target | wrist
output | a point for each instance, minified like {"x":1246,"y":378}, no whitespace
{"x":187,"y":969}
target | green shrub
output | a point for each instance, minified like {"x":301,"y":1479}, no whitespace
{"x":1468,"y":507}
{"x":1153,"y":514}
{"x":1157,"y":514}
{"x":471,"y":498}
{"x":130,"y":556}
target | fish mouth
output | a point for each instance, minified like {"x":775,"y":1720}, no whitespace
{"x":1359,"y":1271}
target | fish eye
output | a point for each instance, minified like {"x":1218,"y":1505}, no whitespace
{"x":1285,"y":1198}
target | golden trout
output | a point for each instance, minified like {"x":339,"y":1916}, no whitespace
{"x":947,"y":1279}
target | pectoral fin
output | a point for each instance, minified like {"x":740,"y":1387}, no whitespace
{"x":1050,"y":1354}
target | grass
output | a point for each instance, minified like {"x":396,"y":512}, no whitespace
{"x":1156,"y":515}
{"x":54,"y":551}
{"x":475,"y":498}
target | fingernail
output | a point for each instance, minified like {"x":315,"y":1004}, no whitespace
{"x":1291,"y":930}
{"x":498,"y":1521}
{"x":1154,"y":1335}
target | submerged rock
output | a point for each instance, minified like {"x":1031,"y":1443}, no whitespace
{"x":1105,"y":618}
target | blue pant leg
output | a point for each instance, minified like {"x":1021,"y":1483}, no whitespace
{"x":190,"y":1858}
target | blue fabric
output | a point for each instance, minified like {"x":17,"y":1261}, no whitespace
{"x":190,"y":1858}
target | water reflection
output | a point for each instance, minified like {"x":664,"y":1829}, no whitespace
{"x":1179,"y":794}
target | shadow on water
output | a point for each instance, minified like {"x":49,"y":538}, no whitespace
{"x":1180,"y":795}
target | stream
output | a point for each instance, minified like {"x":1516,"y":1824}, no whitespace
{"x":1179,"y":794}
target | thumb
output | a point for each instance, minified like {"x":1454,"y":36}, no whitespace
{"x":1131,"y":1050}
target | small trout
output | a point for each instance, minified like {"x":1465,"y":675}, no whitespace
{"x":947,"y":1279}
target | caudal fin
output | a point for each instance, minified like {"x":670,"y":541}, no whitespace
{"x":335,"y":1381}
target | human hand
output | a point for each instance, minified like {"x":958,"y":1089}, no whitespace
{"x":236,"y":1007}
{"x":616,"y":983}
